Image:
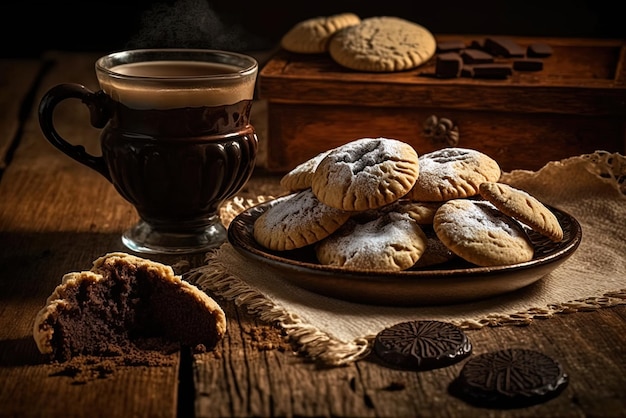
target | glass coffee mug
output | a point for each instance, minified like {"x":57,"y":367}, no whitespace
{"x":176,"y":139}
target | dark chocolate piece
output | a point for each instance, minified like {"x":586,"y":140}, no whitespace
{"x":539,"y":50}
{"x":528,"y":64}
{"x":450,"y":46}
{"x":510,"y":378}
{"x":467,"y":71}
{"x":476,"y":56}
{"x":503,"y":46}
{"x":422,"y":345}
{"x":493,"y":70}
{"x":448,"y":65}
{"x":475,"y":44}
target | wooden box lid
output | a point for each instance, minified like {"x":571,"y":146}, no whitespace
{"x":582,"y":76}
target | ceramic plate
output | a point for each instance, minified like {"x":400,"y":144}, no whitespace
{"x":451,"y":282}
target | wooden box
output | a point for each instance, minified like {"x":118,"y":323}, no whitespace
{"x":576,"y":104}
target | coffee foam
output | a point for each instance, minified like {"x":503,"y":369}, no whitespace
{"x":197,"y":85}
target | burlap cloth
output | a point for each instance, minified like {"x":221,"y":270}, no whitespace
{"x":590,"y":187}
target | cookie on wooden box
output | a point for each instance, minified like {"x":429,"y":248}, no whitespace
{"x":311,"y":36}
{"x":383,"y":44}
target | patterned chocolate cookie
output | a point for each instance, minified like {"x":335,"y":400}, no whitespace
{"x":523,"y":207}
{"x":391,"y":242}
{"x":297,"y":220}
{"x":366,"y":173}
{"x":382,"y":44}
{"x":452,"y":173}
{"x":422,"y":345}
{"x":479,"y":233}
{"x":312,"y":36}
{"x":510,"y":378}
{"x":122,"y":301}
{"x":301,"y":176}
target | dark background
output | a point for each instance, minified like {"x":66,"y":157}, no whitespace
{"x":28,"y":28}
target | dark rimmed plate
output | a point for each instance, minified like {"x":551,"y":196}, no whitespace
{"x":451,"y":282}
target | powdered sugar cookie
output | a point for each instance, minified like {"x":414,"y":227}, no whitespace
{"x":452,"y":173}
{"x":523,"y":207}
{"x":311,"y":36}
{"x":366,"y":174}
{"x":297,"y":220}
{"x":301,"y":176}
{"x":391,"y":242}
{"x":382,"y":44}
{"x":479,"y":233}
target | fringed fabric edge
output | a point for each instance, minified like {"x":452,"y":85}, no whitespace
{"x":315,"y":344}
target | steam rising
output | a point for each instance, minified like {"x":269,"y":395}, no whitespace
{"x":191,"y":24}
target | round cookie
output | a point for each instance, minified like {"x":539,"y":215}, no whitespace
{"x":311,"y":36}
{"x":522,"y":206}
{"x":123,"y":300}
{"x":479,"y":233}
{"x":422,"y":345}
{"x":382,"y":44}
{"x":509,"y":378}
{"x":301,"y":176}
{"x":452,"y":173}
{"x":391,"y":242}
{"x":296,"y":221}
{"x":366,"y":173}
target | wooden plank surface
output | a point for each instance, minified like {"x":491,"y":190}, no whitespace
{"x":18,"y":79}
{"x":57,"y":216}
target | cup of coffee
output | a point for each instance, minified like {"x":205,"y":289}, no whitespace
{"x":176,"y":139}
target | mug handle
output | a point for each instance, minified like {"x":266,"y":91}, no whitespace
{"x":99,"y":115}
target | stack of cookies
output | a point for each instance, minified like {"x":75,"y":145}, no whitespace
{"x":376,"y":44}
{"x":374,"y":204}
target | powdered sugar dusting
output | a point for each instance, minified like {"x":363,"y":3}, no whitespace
{"x":297,"y":209}
{"x":392,"y":241}
{"x":483,"y":216}
{"x":372,"y":171}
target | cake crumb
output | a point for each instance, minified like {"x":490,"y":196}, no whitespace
{"x":265,"y":338}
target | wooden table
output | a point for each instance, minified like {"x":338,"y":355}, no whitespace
{"x":57,"y":216}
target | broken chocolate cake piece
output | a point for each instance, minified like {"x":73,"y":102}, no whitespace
{"x":125,"y":304}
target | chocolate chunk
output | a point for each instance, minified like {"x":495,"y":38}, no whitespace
{"x":539,"y":50}
{"x":448,"y":65}
{"x":450,"y":46}
{"x":503,"y":46}
{"x":528,"y":64}
{"x":422,"y":345}
{"x":476,"y":56}
{"x":476,"y":44}
{"x":493,"y":70}
{"x":510,"y":378}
